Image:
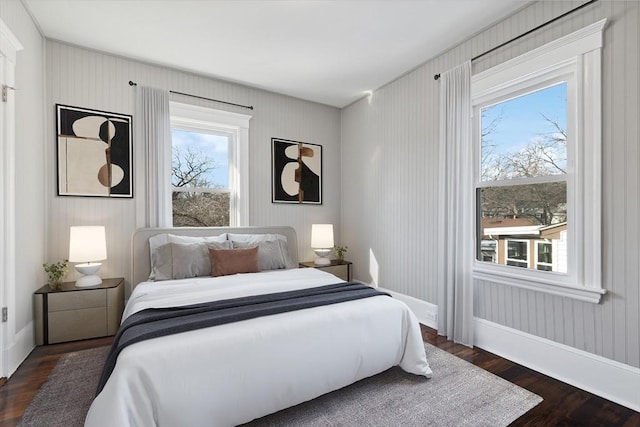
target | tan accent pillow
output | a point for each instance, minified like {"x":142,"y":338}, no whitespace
{"x":232,"y":261}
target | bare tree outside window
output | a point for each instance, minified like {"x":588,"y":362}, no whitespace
{"x":542,"y":155}
{"x":523,"y":175}
{"x":197,"y":199}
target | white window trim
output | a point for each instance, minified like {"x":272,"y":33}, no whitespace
{"x":580,"y":52}
{"x":237,"y":126}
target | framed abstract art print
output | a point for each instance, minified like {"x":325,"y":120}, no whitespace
{"x":94,"y":153}
{"x":297,"y":172}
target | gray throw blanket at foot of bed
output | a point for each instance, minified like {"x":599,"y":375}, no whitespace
{"x":158,"y":322}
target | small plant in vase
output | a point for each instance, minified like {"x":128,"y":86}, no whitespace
{"x":56,"y":272}
{"x":339,"y":252}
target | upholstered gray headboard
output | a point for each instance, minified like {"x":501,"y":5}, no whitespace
{"x":141,"y":265}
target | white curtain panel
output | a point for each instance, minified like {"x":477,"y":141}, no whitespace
{"x":153,"y":157}
{"x":456,"y":222}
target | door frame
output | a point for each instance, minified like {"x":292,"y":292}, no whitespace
{"x":9,"y":47}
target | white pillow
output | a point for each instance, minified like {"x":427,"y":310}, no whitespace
{"x":255,"y":237}
{"x":196,"y":239}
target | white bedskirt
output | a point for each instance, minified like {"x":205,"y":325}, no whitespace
{"x":231,"y":374}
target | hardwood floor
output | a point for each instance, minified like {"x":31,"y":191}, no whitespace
{"x":563,"y":404}
{"x":23,"y":385}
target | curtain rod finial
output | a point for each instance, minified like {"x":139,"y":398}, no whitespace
{"x":132,"y":83}
{"x":436,"y":76}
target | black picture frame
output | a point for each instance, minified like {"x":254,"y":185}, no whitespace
{"x":94,"y":153}
{"x":296,"y":172}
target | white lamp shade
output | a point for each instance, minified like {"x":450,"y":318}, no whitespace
{"x":87,"y":243}
{"x":322,"y":236}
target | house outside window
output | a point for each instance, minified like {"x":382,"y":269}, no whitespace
{"x":537,"y":133}
{"x":209,"y":179}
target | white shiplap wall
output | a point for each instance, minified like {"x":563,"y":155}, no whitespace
{"x":84,"y":78}
{"x":390,"y":172}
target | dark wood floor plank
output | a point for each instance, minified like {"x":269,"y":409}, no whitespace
{"x":20,"y":389}
{"x":563,"y":405}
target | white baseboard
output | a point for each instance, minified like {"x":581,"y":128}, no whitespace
{"x":604,"y":377}
{"x":24,"y":342}
{"x":426,"y":312}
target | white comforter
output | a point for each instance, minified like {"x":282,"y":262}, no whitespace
{"x":230,"y":374}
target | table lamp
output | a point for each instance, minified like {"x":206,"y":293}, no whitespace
{"x":87,"y":244}
{"x":322,"y":242}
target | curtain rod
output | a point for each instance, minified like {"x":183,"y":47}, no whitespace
{"x":250,"y":107}
{"x":437,"y":76}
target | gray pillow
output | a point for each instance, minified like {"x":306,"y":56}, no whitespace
{"x":190,"y":260}
{"x":184,"y":260}
{"x":270,"y":253}
{"x":154,"y":243}
{"x":162,"y":239}
{"x":254,"y":239}
{"x":161,"y":263}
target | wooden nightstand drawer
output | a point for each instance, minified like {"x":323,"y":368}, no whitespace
{"x":78,"y":300}
{"x":71,"y":313}
{"x":71,"y":325}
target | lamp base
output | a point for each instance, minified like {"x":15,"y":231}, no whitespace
{"x":322,"y":257}
{"x":88,"y":281}
{"x":322,"y":261}
{"x":90,"y":277}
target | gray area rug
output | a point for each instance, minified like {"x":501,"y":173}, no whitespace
{"x":64,"y":400}
{"x":459,"y":394}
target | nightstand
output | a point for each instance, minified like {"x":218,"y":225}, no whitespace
{"x":342,"y":269}
{"x":71,"y":313}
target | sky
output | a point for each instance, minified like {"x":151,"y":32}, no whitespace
{"x":214,"y":147}
{"x":521,"y":119}
{"x":521,"y":122}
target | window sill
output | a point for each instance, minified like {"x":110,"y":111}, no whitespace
{"x":538,"y":281}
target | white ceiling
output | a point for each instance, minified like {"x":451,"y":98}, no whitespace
{"x":330,"y":52}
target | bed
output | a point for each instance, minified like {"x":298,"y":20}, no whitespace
{"x":233,"y":373}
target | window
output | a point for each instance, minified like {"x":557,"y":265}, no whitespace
{"x":209,"y":168}
{"x":523,"y":165}
{"x":489,"y":250}
{"x":518,"y":253}
{"x":544,"y":256}
{"x":200,"y":177}
{"x":537,"y":135}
